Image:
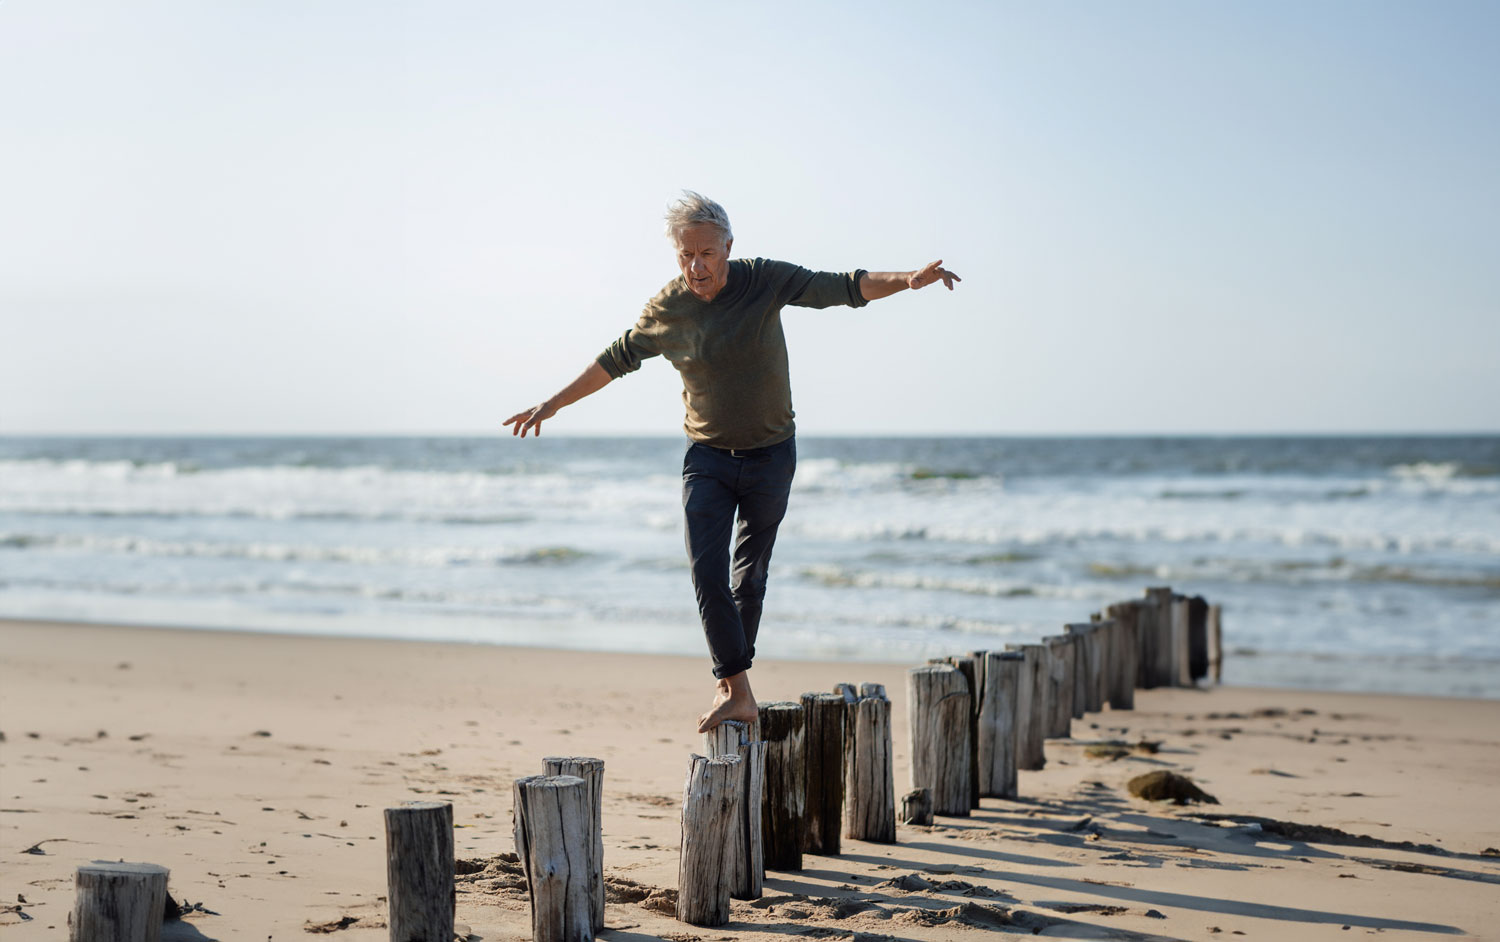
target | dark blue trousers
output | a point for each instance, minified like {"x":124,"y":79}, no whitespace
{"x":719,"y":485}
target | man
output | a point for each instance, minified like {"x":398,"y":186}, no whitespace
{"x":720,"y":325}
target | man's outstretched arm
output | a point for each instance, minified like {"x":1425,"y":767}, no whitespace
{"x":590,"y":381}
{"x":874,"y":285}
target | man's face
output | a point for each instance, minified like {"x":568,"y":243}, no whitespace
{"x":703,"y":256}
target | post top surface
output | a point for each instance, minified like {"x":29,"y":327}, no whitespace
{"x":122,"y":867}
{"x":415,"y":806}
{"x":550,"y":781}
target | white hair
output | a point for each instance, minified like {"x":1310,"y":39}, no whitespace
{"x":695,"y":209}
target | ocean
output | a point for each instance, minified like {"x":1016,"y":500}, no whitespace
{"x":1354,"y":563}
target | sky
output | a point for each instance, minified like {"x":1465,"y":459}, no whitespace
{"x":339,"y":217}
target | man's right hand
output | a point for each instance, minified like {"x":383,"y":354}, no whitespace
{"x":531,"y":419}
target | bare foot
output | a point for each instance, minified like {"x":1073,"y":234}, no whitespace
{"x":732,"y":701}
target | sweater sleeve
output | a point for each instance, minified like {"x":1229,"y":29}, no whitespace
{"x":626,"y":354}
{"x":805,"y":288}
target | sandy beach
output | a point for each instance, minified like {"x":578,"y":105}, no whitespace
{"x":255,"y":767}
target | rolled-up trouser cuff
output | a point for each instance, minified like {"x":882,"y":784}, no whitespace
{"x":729,"y":670}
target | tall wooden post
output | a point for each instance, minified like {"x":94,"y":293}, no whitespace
{"x":783,"y":728}
{"x":1029,"y":745}
{"x":1215,"y":642}
{"x":592,"y":773}
{"x":824,"y":811}
{"x":1126,"y":655}
{"x":869,"y":775}
{"x":710,"y":815}
{"x":971,"y":666}
{"x":997,"y":723}
{"x":555,"y":844}
{"x":745,"y":854}
{"x":419,"y":870}
{"x":1157,"y":652}
{"x":118,"y":902}
{"x":1197,"y":638}
{"x":939,"y":702}
{"x":1061,"y":653}
{"x":1179,"y":668}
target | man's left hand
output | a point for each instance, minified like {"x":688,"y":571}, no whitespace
{"x":933,"y":271}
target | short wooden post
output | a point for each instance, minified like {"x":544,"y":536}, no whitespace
{"x":118,"y":902}
{"x":824,"y":811}
{"x":1104,"y":632}
{"x":1215,"y":642}
{"x":592,"y":773}
{"x":869,"y":773}
{"x":1126,"y":652}
{"x":1062,"y":651}
{"x":1197,"y":638}
{"x":420,"y":894}
{"x":783,"y":727}
{"x":971,"y":665}
{"x":997,"y":723}
{"x":745,"y":855}
{"x":554,"y":841}
{"x":939,"y":698}
{"x":710,"y":815}
{"x":916,"y":807}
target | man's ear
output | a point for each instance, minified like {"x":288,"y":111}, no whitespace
{"x":727,"y":246}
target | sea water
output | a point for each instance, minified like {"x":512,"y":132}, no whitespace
{"x":1340,"y":562}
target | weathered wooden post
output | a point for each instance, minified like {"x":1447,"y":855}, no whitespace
{"x":1179,"y":670}
{"x":1215,"y":642}
{"x":783,"y":728}
{"x":1197,"y":638}
{"x":592,"y":773}
{"x":1062,"y":651}
{"x":419,"y":871}
{"x":824,"y":811}
{"x":1087,"y":652}
{"x":745,"y":856}
{"x":710,"y":815}
{"x":118,"y":902}
{"x":1031,"y":740}
{"x":1104,"y":633}
{"x":554,"y":828}
{"x":940,"y":698}
{"x":916,"y":807}
{"x":971,"y":665}
{"x":997,"y":723}
{"x":1126,"y":654}
{"x":1156,"y":651}
{"x":869,"y":772}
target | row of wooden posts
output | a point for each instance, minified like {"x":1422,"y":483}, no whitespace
{"x":793,"y":782}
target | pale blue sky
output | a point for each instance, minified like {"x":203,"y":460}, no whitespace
{"x":375,"y":217}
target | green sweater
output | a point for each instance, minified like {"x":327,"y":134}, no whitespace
{"x":731,"y":351}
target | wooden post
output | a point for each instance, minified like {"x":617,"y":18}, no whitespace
{"x":1215,"y":642}
{"x":555,"y":844}
{"x":970,"y":665}
{"x":1157,"y":652}
{"x":592,"y":773}
{"x":419,"y":870}
{"x":710,"y":814}
{"x":1126,"y":654}
{"x":745,"y":856}
{"x":1179,"y":668}
{"x":1062,"y":651}
{"x":119,"y":902}
{"x":1088,"y":651}
{"x":1104,"y":631}
{"x":916,"y":807}
{"x":1197,"y":638}
{"x":939,"y":698}
{"x":824,"y":811}
{"x":997,"y":723}
{"x":1029,"y":754}
{"x":783,"y":727}
{"x":869,"y":773}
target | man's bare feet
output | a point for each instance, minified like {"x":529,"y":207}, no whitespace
{"x":732,"y":701}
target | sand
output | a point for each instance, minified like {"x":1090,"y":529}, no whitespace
{"x":256,"y":768}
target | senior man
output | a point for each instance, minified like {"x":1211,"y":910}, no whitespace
{"x":719,"y":324}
